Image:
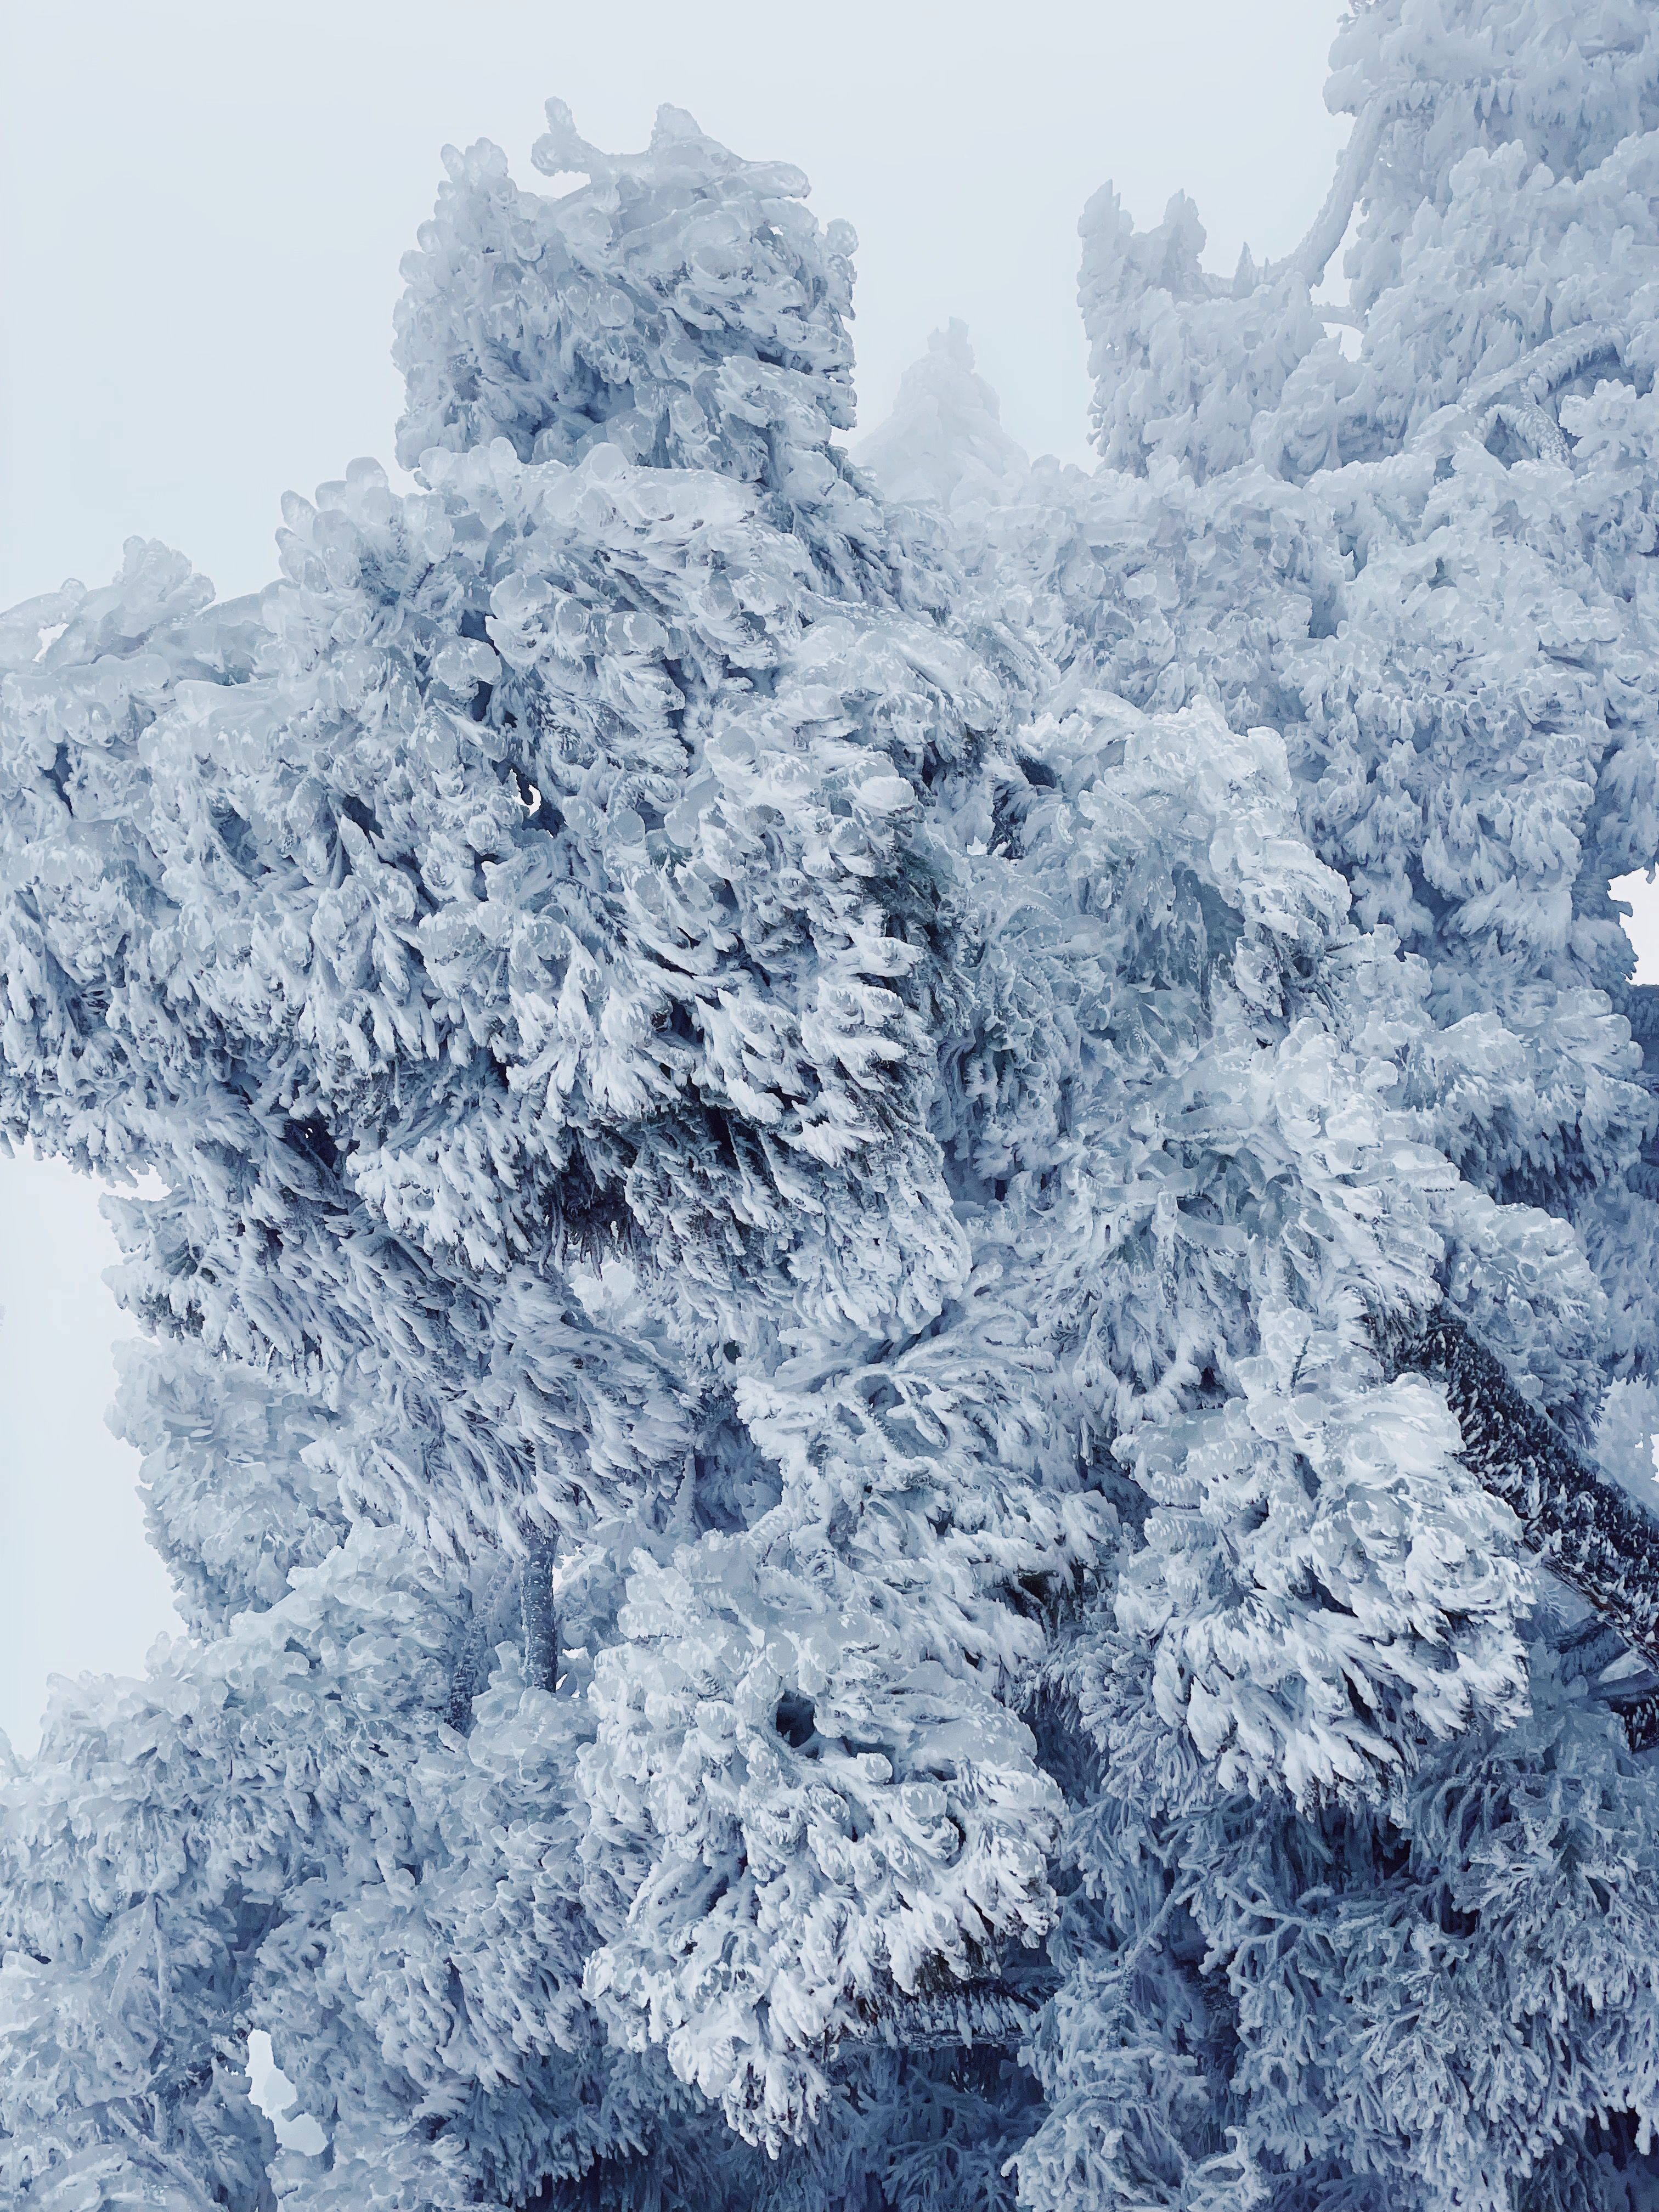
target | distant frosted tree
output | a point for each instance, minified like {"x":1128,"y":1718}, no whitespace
{"x":889,"y":1198}
{"x":944,"y":445}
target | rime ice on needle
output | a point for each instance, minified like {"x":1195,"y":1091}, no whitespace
{"x":793,"y":1097}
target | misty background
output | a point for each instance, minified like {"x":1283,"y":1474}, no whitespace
{"x":203,"y":207}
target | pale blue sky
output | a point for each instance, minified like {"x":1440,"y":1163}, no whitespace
{"x":203,"y":203}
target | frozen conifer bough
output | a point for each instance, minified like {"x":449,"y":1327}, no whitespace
{"x":901,"y":1317}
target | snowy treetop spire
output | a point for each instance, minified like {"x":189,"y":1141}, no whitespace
{"x":682,"y":305}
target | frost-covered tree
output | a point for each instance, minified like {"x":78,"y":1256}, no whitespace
{"x":1425,"y":567}
{"x":883,"y":1215}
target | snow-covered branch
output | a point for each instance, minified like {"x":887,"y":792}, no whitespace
{"x":1584,"y":1529}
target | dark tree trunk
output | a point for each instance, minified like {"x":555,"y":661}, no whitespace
{"x":539,"y":1626}
{"x":1584,"y":1528}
